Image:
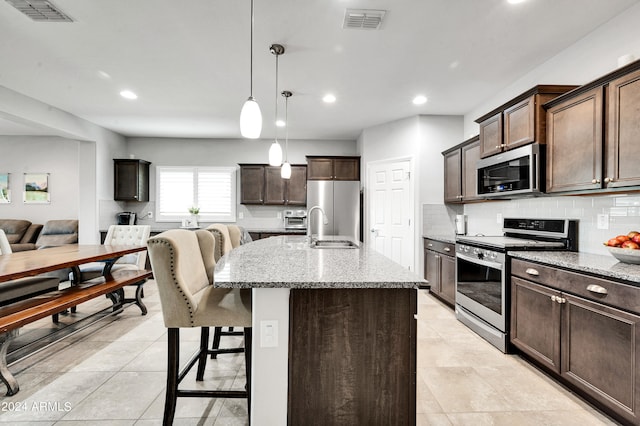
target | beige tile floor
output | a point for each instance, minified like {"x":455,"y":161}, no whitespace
{"x":113,"y":374}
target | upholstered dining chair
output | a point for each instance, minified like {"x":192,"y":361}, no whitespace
{"x":122,"y":235}
{"x":227,"y":238}
{"x":183,"y":263}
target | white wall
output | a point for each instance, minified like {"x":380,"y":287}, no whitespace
{"x":591,"y":57}
{"x":421,"y":138}
{"x":219,"y":152}
{"x":41,"y":154}
{"x":95,"y":147}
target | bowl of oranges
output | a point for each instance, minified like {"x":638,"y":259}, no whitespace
{"x":625,"y":248}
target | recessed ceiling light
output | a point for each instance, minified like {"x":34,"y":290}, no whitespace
{"x":329,"y":98}
{"x":516,"y":1}
{"x":280,"y":123}
{"x":419,"y":100}
{"x":128,"y":94}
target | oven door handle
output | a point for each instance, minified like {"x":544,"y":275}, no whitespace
{"x":483,"y":262}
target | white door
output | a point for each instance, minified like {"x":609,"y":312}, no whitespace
{"x":391,"y":211}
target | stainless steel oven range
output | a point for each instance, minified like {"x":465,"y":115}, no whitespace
{"x":482,"y":271}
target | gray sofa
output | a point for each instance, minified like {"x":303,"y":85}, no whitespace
{"x":22,"y":234}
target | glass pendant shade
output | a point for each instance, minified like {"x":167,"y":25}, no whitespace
{"x":275,"y":154}
{"x":250,"y":119}
{"x":285,"y":171}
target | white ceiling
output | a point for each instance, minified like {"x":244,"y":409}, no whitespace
{"x":189,"y":60}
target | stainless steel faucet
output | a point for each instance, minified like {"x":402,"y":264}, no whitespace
{"x":309,"y":217}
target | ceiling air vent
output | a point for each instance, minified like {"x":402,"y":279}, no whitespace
{"x":363,"y":19}
{"x":40,"y":10}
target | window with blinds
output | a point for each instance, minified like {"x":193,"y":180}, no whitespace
{"x":212,"y":189}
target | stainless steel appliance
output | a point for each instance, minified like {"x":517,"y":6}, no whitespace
{"x":483,"y":293}
{"x":295,"y":219}
{"x":126,"y":218}
{"x":340,"y":201}
{"x":518,"y":171}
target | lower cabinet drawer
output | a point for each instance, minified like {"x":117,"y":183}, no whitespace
{"x":622,"y":296}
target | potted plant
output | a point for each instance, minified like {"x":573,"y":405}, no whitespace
{"x":194,"y":210}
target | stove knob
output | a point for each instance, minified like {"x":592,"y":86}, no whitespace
{"x":466,"y":249}
{"x":494,"y":255}
{"x":476,"y":251}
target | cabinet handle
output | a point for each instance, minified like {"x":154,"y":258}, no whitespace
{"x":596,"y":180}
{"x":447,"y":249}
{"x":429,"y":245}
{"x":594,"y":288}
{"x":608,"y":180}
{"x":532,"y":271}
{"x":503,"y":145}
{"x":497,"y":146}
{"x":553,"y":298}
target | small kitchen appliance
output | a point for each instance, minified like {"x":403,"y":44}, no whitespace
{"x":126,"y":218}
{"x":483,"y":292}
{"x":295,"y":219}
{"x":461,"y":224}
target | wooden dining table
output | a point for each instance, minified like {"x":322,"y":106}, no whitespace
{"x":31,"y":263}
{"x":34,"y":262}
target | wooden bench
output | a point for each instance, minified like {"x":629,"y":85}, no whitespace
{"x":17,"y":314}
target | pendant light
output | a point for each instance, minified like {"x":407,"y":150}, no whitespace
{"x":275,"y":151}
{"x":250,"y":115}
{"x":285,"y":171}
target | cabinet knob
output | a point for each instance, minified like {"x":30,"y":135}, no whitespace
{"x":594,"y":288}
{"x":447,"y":249}
{"x":502,"y":145}
{"x":429,"y":245}
{"x":497,"y":146}
{"x":608,"y":179}
{"x":553,"y":298}
{"x":596,"y":180}
{"x":532,"y":271}
{"x":135,"y":196}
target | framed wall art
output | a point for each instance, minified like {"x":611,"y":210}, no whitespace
{"x":5,"y":189}
{"x":36,"y":188}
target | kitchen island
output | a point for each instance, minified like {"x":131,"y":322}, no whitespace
{"x":334,"y":332}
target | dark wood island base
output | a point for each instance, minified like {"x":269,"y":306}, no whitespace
{"x":352,"y":357}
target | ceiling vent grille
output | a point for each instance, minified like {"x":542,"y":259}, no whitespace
{"x":40,"y":10}
{"x":363,"y":19}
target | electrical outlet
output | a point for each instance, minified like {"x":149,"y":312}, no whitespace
{"x":603,"y":221}
{"x":269,"y":334}
{"x":240,"y":215}
{"x":499,"y":219}
{"x":279,"y":215}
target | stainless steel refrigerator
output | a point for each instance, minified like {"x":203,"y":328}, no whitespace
{"x":340,"y":201}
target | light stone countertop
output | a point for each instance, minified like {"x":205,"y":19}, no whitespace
{"x":601,"y":265}
{"x":445,"y":238}
{"x":289,"y":262}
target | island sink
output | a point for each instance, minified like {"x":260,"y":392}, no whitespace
{"x":334,"y":244}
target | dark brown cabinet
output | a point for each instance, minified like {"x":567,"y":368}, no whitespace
{"x":251,"y":184}
{"x":623,"y":122}
{"x":130,"y":180}
{"x":574,"y":143}
{"x":592,"y":135}
{"x":262,"y":184}
{"x":333,"y":168}
{"x":583,"y":329}
{"x":518,"y":122}
{"x":460,"y":176}
{"x":439,"y":269}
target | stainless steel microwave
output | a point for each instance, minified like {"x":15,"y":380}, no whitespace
{"x":518,"y":171}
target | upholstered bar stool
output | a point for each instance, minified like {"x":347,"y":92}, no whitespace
{"x":183,"y":264}
{"x":227,"y":238}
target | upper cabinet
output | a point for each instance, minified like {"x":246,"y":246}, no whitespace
{"x":460,"y":176}
{"x":518,"y":122}
{"x":262,"y":184}
{"x":130,"y":180}
{"x":592,"y":135}
{"x":333,"y":168}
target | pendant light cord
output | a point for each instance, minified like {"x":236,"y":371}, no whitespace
{"x":276,"y":120}
{"x":286,"y":129}
{"x":251,"y":56}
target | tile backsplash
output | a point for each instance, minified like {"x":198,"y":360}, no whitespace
{"x":621,"y":213}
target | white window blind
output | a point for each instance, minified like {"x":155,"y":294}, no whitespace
{"x":212,"y":189}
